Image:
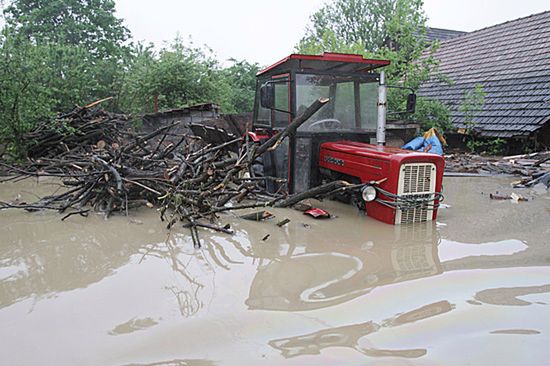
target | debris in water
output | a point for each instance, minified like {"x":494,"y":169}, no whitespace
{"x":317,"y":213}
{"x":514,"y":197}
{"x":283,"y":222}
{"x":498,"y":196}
{"x":302,"y":206}
{"x":542,"y":179}
{"x":531,"y":167}
{"x":258,"y":216}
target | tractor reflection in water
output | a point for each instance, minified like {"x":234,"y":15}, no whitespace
{"x":313,"y":276}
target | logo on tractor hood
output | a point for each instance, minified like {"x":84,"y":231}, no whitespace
{"x":333,"y":160}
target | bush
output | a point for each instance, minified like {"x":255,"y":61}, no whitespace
{"x":487,"y":146}
{"x":432,"y":113}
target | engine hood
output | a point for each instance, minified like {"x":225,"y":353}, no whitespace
{"x":368,"y":150}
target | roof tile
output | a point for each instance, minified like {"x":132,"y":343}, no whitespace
{"x":512,"y":62}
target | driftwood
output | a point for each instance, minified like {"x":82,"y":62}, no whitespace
{"x":106,"y":166}
{"x":528,"y":166}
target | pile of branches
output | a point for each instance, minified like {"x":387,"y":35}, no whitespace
{"x":74,"y":132}
{"x":107,"y":167}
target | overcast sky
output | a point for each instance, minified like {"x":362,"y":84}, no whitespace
{"x":265,"y":31}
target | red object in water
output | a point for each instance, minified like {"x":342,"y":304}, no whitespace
{"x":317,"y":213}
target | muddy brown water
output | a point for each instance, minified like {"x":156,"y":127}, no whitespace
{"x":473,"y":288}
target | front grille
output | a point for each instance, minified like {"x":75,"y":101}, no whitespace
{"x":416,"y":180}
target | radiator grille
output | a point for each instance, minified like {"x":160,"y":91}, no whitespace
{"x":416,"y":180}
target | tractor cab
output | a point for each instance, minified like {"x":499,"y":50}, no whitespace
{"x":287,"y":88}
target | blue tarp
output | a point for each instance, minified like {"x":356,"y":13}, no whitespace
{"x":420,"y":144}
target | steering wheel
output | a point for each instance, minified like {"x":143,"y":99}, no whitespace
{"x":327,"y":121}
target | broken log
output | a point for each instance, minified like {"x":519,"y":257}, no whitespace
{"x":324,"y":190}
{"x":277,"y":139}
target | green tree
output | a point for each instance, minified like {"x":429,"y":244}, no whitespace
{"x":180,"y":75}
{"x":38,"y":80}
{"x":90,"y":24}
{"x":386,"y":29}
{"x":432,"y":113}
{"x":374,"y":24}
{"x":473,"y":102}
{"x":87,"y":42}
{"x":241,"y":79}
{"x":24,"y":99}
{"x":136,"y":96}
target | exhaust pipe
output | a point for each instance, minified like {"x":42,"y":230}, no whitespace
{"x":382,"y":108}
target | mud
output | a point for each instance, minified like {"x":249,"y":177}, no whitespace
{"x":473,"y":288}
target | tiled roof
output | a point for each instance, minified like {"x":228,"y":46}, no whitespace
{"x":512,"y":62}
{"x":438,"y":34}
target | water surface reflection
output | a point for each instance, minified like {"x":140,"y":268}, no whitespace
{"x":354,"y":336}
{"x":316,"y":273}
{"x":342,"y":291}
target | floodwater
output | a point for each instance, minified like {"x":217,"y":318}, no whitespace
{"x":473,"y":288}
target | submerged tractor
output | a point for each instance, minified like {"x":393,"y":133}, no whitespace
{"x":345,"y":139}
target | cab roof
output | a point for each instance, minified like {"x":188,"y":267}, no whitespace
{"x":328,"y":61}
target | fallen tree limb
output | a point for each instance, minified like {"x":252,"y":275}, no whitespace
{"x":317,"y":192}
{"x":277,"y":139}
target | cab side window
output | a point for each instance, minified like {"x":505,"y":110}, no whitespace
{"x":281,"y":119}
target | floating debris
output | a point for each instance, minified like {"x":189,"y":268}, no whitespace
{"x":317,"y":213}
{"x":258,"y":216}
{"x":283,"y":222}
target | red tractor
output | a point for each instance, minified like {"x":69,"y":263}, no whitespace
{"x":336,"y":143}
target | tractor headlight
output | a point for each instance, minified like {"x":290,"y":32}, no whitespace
{"x":368,"y":193}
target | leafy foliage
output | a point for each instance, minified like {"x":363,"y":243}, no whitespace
{"x":432,"y":113}
{"x":182,"y":75}
{"x":390,"y":29}
{"x":373,"y":24}
{"x":24,"y":99}
{"x":60,"y":53}
{"x":38,"y":80}
{"x":179,"y":76}
{"x":241,"y":79}
{"x":90,"y":24}
{"x":386,"y":29}
{"x":494,"y":146}
{"x":473,"y":102}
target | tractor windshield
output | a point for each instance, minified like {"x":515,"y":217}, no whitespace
{"x":352,"y":103}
